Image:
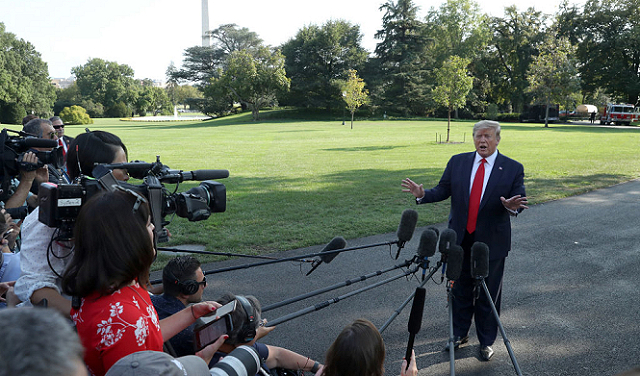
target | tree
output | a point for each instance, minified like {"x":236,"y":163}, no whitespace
{"x":253,"y":79}
{"x":504,"y":65}
{"x":454,"y":83}
{"x":402,"y":60}
{"x":355,"y":95}
{"x":608,"y":34}
{"x":201,"y":64}
{"x":318,"y":59}
{"x":155,"y":100}
{"x":24,"y":77}
{"x":106,"y":82}
{"x":553,"y":76}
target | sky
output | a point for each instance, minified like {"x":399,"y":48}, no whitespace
{"x":148,"y":35}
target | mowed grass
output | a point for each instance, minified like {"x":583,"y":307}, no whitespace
{"x":293,"y":184}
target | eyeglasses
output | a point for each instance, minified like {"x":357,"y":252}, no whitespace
{"x":58,"y":126}
{"x":203,"y":282}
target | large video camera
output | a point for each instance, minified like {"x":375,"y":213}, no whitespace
{"x":13,"y":150}
{"x":60,"y":204}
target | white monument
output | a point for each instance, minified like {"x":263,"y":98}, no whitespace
{"x":206,"y":38}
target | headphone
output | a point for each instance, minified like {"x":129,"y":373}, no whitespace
{"x":187,"y":287}
{"x":247,"y":331}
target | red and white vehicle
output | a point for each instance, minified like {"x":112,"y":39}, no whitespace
{"x":620,"y":114}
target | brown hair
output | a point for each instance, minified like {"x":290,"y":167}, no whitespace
{"x":358,"y":351}
{"x":112,"y":245}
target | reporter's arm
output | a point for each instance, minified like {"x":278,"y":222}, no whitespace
{"x":54,"y":300}
{"x":283,"y":358}
{"x":177,"y":322}
{"x":413,"y":368}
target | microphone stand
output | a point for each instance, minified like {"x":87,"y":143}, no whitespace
{"x":326,"y":303}
{"x":295,"y":258}
{"x":406,"y":302}
{"x":502,"y":332}
{"x":335,"y":286}
{"x":452,"y":355}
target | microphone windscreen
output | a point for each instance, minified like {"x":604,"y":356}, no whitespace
{"x":428,"y":243}
{"x":435,"y":230}
{"x":32,"y":142}
{"x":100,"y":171}
{"x":454,"y":263}
{"x":479,"y":260}
{"x":208,"y":174}
{"x":447,"y":240}
{"x":415,"y":318}
{"x":407,"y":225}
{"x":336,"y":243}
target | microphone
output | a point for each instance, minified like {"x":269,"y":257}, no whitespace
{"x":447,"y":240}
{"x":33,"y":142}
{"x":426,"y":248}
{"x":456,"y":255}
{"x":479,"y":264}
{"x":336,"y":243}
{"x":205,"y":174}
{"x":415,"y":319}
{"x":406,"y":228}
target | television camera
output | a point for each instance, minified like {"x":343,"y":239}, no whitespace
{"x":60,"y":204}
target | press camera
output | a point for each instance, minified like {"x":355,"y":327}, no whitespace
{"x":61,"y":203}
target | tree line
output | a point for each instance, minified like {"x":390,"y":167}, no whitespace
{"x":455,"y":60}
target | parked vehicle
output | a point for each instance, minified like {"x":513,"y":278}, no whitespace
{"x":619,"y":114}
{"x":536,"y":113}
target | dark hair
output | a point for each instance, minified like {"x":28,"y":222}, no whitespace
{"x":33,"y":127}
{"x":112,"y":245}
{"x":182,"y":268}
{"x":358,"y":351}
{"x":28,"y":118}
{"x":239,"y":317}
{"x":93,"y":147}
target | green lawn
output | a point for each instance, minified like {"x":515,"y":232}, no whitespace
{"x":294,"y":184}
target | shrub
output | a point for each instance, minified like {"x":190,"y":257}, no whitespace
{"x":95,"y":110}
{"x":11,"y":113}
{"x":492,"y":111}
{"x":118,"y":110}
{"x":75,"y":115}
{"x":512,"y":117}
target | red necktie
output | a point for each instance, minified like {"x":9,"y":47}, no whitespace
{"x":64,"y":150}
{"x":474,"y":198}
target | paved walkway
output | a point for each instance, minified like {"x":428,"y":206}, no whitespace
{"x":570,"y":301}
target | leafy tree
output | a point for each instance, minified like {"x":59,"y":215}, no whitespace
{"x":252,"y":78}
{"x":402,"y":61}
{"x":504,"y":65}
{"x":153,"y":99}
{"x":355,"y":95}
{"x":201,"y":64}
{"x":24,"y":77}
{"x":454,"y":83}
{"x":183,"y":93}
{"x":608,"y":32}
{"x":105,"y":82}
{"x":75,"y":115}
{"x":553,"y":75}
{"x":318,"y":59}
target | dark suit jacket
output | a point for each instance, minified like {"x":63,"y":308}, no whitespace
{"x":494,"y":221}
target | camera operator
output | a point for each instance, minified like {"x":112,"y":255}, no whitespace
{"x":42,"y":128}
{"x":42,"y":258}
{"x":21,"y":188}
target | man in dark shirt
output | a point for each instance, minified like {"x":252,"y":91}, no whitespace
{"x":184,"y":283}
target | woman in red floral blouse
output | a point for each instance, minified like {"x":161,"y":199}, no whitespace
{"x":114,"y":250}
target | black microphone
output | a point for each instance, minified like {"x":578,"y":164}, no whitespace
{"x":426,"y":248}
{"x":435,"y":229}
{"x":415,"y":319}
{"x":406,"y":228}
{"x":454,"y":267}
{"x":205,"y":174}
{"x":479,"y":264}
{"x":336,"y":243}
{"x":33,"y":142}
{"x":447,"y":240}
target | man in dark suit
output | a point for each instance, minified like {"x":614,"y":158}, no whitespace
{"x":486,"y":189}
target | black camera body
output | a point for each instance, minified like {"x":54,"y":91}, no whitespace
{"x":60,"y":203}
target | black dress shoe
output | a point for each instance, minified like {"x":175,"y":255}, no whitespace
{"x":486,"y":352}
{"x":457,"y":342}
